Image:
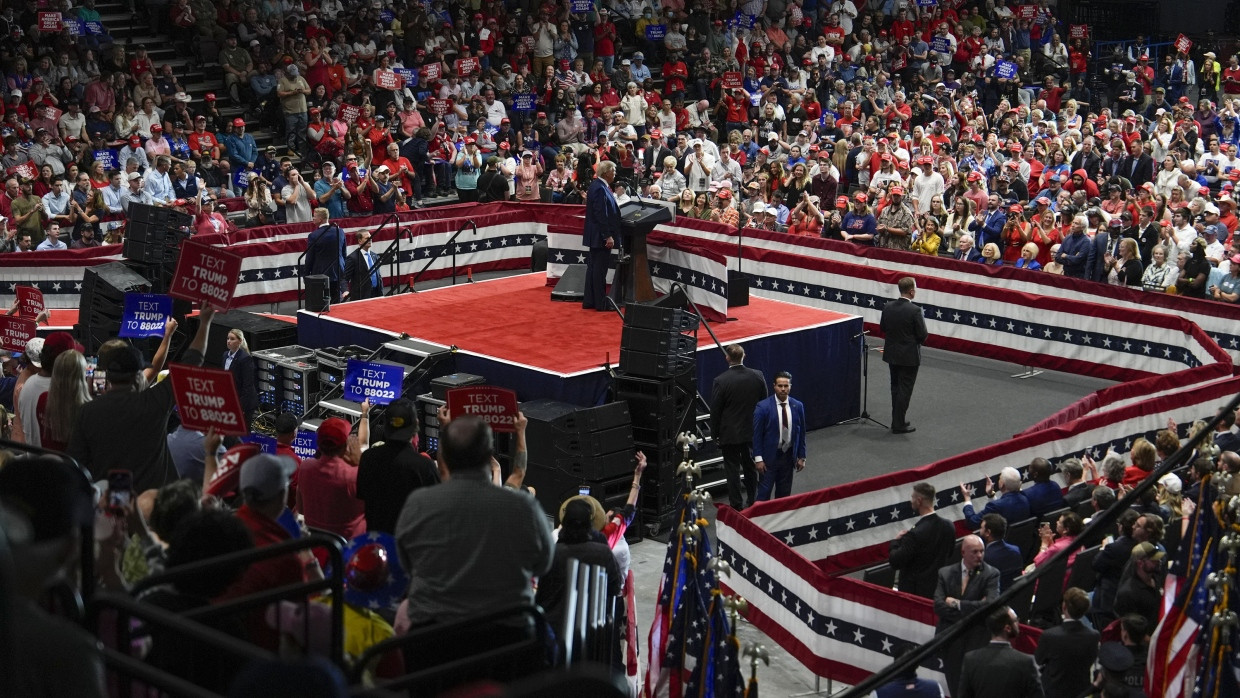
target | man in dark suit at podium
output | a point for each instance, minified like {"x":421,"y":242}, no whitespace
{"x":905,"y":329}
{"x":733,"y":397}
{"x":601,"y":233}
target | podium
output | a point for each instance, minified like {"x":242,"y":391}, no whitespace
{"x":637,"y":219}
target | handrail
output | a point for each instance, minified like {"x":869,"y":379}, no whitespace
{"x":412,"y":282}
{"x":1104,"y":521}
{"x":393,"y":260}
{"x":301,"y":258}
{"x":698,"y":313}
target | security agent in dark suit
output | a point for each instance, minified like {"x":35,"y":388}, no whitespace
{"x":1000,"y":554}
{"x":1137,"y":167}
{"x":361,"y":270}
{"x":959,"y":590}
{"x":733,"y":397}
{"x":778,"y":439}
{"x":325,"y":252}
{"x":1066,"y":652}
{"x":919,"y":552}
{"x":237,"y":360}
{"x":905,"y":329}
{"x":998,"y":669}
{"x":600,"y":235}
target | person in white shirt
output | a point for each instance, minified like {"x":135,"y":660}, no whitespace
{"x":73,"y":122}
{"x":847,"y":11}
{"x":1184,"y":232}
{"x":927,"y":185}
{"x":297,"y":195}
{"x":158,"y":184}
{"x":148,"y":116}
{"x":727,"y":169}
{"x":52,"y":241}
{"x":496,"y":112}
{"x":698,"y":166}
{"x":56,"y":203}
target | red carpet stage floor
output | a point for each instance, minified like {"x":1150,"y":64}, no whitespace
{"x":511,"y":332}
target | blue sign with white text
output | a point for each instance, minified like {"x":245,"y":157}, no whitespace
{"x":1006,"y":70}
{"x":306,"y":444}
{"x":267,"y":443}
{"x":940,"y":44}
{"x":378,"y":382}
{"x":145,"y":314}
{"x":523,"y":102}
{"x":656,"y":32}
{"x":108,"y":158}
{"x":582,"y":6}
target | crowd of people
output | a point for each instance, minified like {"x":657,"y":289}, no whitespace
{"x":963,"y":129}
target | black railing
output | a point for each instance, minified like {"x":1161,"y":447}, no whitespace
{"x":301,"y":258}
{"x":1104,"y":521}
{"x":411,"y":286}
{"x":332,"y":582}
{"x":698,"y":313}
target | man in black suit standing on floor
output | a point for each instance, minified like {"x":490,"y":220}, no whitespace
{"x":1066,"y":652}
{"x":998,"y":669}
{"x":905,"y":329}
{"x":600,"y":234}
{"x":733,"y":397}
{"x":919,"y":552}
{"x":325,"y":252}
{"x":961,"y":589}
{"x":361,"y":269}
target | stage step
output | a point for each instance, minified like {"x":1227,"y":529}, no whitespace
{"x":341,"y":406}
{"x":416,"y":349}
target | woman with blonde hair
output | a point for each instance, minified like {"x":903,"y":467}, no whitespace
{"x":1160,"y":140}
{"x":991,"y":256}
{"x":957,"y":224}
{"x":840,"y":155}
{"x":69,"y":390}
{"x":1028,"y":258}
{"x":684,"y":203}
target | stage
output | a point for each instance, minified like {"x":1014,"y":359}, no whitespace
{"x":510,"y":332}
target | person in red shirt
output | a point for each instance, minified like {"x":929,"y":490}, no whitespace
{"x":140,"y":63}
{"x":1231,"y":77}
{"x":327,"y":485}
{"x":737,"y":105}
{"x":899,"y":114}
{"x":675,"y":73}
{"x":360,"y":186}
{"x":201,"y":140}
{"x":402,"y":169}
{"x":902,"y":27}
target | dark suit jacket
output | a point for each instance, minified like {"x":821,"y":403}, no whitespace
{"x":1227,"y":441}
{"x":733,"y":397}
{"x":905,"y":329}
{"x":999,"y":670}
{"x":766,"y":429}
{"x":1013,"y":506}
{"x":602,"y":216}
{"x":1043,"y":497}
{"x":1109,"y":566}
{"x":325,"y":251}
{"x":973,"y":255}
{"x":920,"y":553}
{"x":1066,"y":654}
{"x":357,"y":273}
{"x":1006,"y":558}
{"x":1078,"y":494}
{"x":1144,"y":172}
{"x":1101,"y":244}
{"x":983,"y":588}
{"x":245,"y":375}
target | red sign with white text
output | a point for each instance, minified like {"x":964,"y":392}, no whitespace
{"x":49,"y":22}
{"x":387,"y":80}
{"x":466,"y":66}
{"x":1027,"y":12}
{"x":432,"y":71}
{"x":29,"y":301}
{"x":1078,"y":31}
{"x":437,"y":106}
{"x":206,"y":398}
{"x":206,"y":274}
{"x":1183,"y":43}
{"x":495,"y":406}
{"x":732,"y":80}
{"x":349,"y":113}
{"x":15,"y":331}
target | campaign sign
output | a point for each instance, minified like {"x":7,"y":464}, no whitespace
{"x":15,"y":331}
{"x":528,"y":41}
{"x":1078,"y":31}
{"x":1006,"y":70}
{"x":26,"y":171}
{"x":387,"y":80}
{"x":349,"y":112}
{"x":580,"y":6}
{"x":927,"y":3}
{"x":940,"y":44}
{"x":145,"y":314}
{"x":266,"y":443}
{"x":466,"y":66}
{"x":1027,"y":11}
{"x":743,"y":20}
{"x":49,"y":22}
{"x":495,"y":406}
{"x":29,"y":301}
{"x":432,"y":71}
{"x":378,"y":382}
{"x":306,"y":444}
{"x":206,"y":398}
{"x":94,"y":28}
{"x":523,"y":102}
{"x":732,"y":80}
{"x":206,"y":274}
{"x":438,"y":106}
{"x":408,"y":75}
{"x":1182,"y":43}
{"x":656,"y":32}
{"x":386,"y":16}
{"x":52,"y":114}
{"x":108,"y":158}
{"x":72,"y":26}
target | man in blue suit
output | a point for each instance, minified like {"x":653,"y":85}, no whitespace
{"x":1044,"y":495}
{"x":601,"y":233}
{"x":1000,"y":554}
{"x":987,"y":227}
{"x":325,"y":251}
{"x":1011,"y":502}
{"x":778,"y":439}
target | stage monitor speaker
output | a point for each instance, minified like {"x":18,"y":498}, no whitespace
{"x":653,"y":317}
{"x":318,"y":293}
{"x":150,"y":217}
{"x":656,"y":341}
{"x":261,"y":333}
{"x":538,"y":256}
{"x":571,"y":288}
{"x":675,"y":299}
{"x":562,"y":416}
{"x":738,"y":289}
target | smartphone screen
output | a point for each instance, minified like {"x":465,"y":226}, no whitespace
{"x":584,"y":490}
{"x":120,"y":489}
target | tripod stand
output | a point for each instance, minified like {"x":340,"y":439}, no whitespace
{"x":865,"y":385}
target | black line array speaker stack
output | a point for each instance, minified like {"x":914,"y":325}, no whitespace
{"x":658,"y":381}
{"x":574,"y":449}
{"x":153,"y":238}
{"x":103,"y":302}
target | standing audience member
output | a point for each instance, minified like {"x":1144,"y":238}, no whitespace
{"x":918,"y":553}
{"x":327,"y":485}
{"x":393,"y":468}
{"x":733,"y":397}
{"x":1066,"y":652}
